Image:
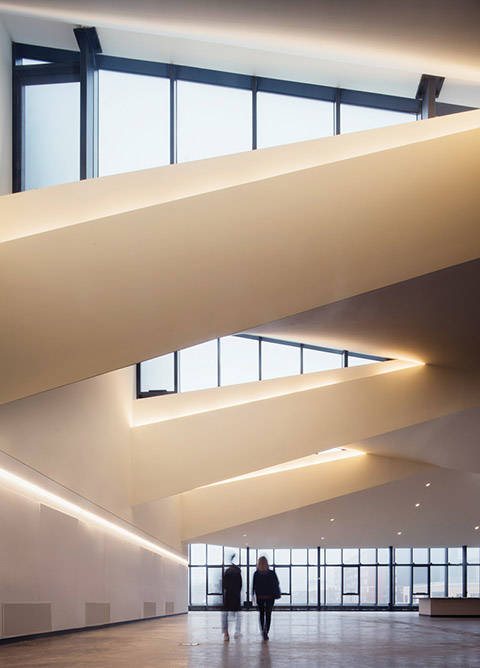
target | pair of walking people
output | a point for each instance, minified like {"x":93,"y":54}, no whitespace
{"x":265,"y":590}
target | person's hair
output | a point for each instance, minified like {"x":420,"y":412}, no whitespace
{"x":262,"y":564}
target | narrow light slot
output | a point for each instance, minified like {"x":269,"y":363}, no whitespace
{"x":78,"y":512}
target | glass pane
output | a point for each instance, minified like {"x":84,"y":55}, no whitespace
{"x":282,"y":557}
{"x":52,"y":134}
{"x":437,"y":581}
{"x":279,"y":360}
{"x":368,"y":585}
{"x":133,"y":122}
{"x":198,"y":367}
{"x":243,"y":593}
{"x":368,"y":556}
{"x":231,"y":555}
{"x":299,"y":585}
{"x":383,"y":555}
{"x":283,"y":119}
{"x":198,"y":586}
{"x":198,"y":554}
{"x":455,"y":588}
{"x":238,"y":360}
{"x":437,"y":555}
{"x":473,"y":555}
{"x":299,"y":557}
{"x":333,"y":556}
{"x":30,"y":61}
{"x":350,"y":556}
{"x":266,"y":553}
{"x":350,"y":600}
{"x":317,"y":360}
{"x":214,"y":554}
{"x":420,"y":555}
{"x":253,"y":557}
{"x":283,"y":575}
{"x":402,"y":585}
{"x":158,"y":374}
{"x":215,"y":600}
{"x":212,"y":120}
{"x":243,"y":556}
{"x":313,"y":556}
{"x":333,"y":581}
{"x":403,"y":555}
{"x":473,"y":581}
{"x":214,"y":576}
{"x":322,"y":555}
{"x":354,"y":118}
{"x":420,"y":580}
{"x":383,"y":588}
{"x":455,"y":555}
{"x":312,"y":586}
{"x":350,"y":580}
{"x":359,"y":361}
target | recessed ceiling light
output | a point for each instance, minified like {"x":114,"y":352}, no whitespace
{"x":427,"y":484}
{"x":417,"y":505}
{"x":323,"y":537}
{"x":332,"y":519}
{"x":244,"y":535}
{"x":477,"y":528}
{"x":399,"y":533}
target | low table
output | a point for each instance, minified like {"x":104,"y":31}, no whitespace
{"x":449,"y":607}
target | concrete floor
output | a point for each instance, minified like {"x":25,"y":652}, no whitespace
{"x":297,"y":640}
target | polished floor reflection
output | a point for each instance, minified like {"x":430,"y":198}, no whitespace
{"x":297,"y":640}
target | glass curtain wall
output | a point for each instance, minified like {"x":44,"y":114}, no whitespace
{"x":340,"y":578}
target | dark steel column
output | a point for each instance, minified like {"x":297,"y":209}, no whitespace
{"x":428,"y":90}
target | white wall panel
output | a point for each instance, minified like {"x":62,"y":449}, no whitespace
{"x":122,"y":579}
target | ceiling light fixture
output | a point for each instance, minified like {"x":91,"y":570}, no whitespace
{"x":399,"y":533}
{"x":417,"y":505}
{"x":427,"y":484}
{"x":332,"y":519}
{"x":477,"y":528}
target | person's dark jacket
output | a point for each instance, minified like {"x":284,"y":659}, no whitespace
{"x":232,"y":587}
{"x":266,"y":585}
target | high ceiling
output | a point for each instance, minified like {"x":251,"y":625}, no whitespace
{"x":370,"y":45}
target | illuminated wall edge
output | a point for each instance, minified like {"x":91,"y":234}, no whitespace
{"x":20,"y":484}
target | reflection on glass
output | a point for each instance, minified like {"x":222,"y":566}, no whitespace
{"x":333,"y":584}
{"x":52,"y":134}
{"x":473,"y":581}
{"x":367,"y":555}
{"x":403,"y":555}
{"x":420,"y":555}
{"x":455,"y":588}
{"x":238,"y":360}
{"x":198,"y":367}
{"x":354,"y":118}
{"x":133,"y":122}
{"x":437,"y":581}
{"x":198,"y":586}
{"x":350,"y":556}
{"x":214,"y":580}
{"x":283,"y":119}
{"x":383,"y":588}
{"x":420,"y":580}
{"x":212,"y":120}
{"x":282,"y":556}
{"x":312,"y":586}
{"x":299,"y":585}
{"x":318,"y":360}
{"x":279,"y":360}
{"x":158,"y":374}
{"x":402,"y":585}
{"x":368,"y":585}
{"x":299,"y":556}
{"x":198,"y":554}
{"x":214,"y":554}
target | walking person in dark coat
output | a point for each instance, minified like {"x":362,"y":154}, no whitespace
{"x":232,"y":587}
{"x":266,"y":589}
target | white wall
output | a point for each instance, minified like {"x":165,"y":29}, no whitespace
{"x":77,"y":440}
{"x":5,"y":111}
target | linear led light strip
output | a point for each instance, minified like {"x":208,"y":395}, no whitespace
{"x":334,"y":454}
{"x":80,"y":513}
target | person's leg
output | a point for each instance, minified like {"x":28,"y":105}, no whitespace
{"x":238,"y":623}
{"x":261,"y":610}
{"x":268,"y":615}
{"x":225,"y":623}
